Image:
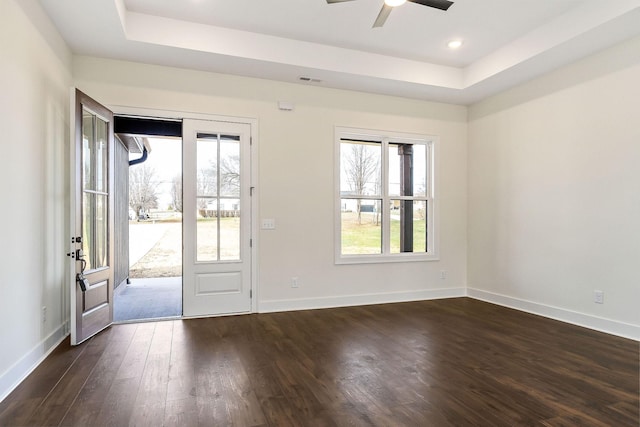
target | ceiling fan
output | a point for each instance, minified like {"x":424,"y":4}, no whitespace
{"x":388,"y":6}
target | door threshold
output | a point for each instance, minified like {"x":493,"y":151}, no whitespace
{"x":204,"y":316}
{"x":152,"y":319}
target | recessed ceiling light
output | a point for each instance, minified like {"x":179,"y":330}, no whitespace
{"x":394,"y":3}
{"x":454,"y":44}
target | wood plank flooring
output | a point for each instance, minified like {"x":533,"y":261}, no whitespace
{"x":455,"y":362}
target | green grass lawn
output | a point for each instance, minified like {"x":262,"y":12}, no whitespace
{"x":366,"y":237}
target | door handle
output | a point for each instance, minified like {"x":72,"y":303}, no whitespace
{"x":83,"y":282}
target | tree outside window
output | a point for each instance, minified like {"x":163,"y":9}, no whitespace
{"x":143,"y":189}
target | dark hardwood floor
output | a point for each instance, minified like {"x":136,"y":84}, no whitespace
{"x":455,"y":362}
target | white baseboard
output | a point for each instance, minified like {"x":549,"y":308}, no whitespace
{"x":12,"y":377}
{"x":608,"y":326}
{"x":270,"y":306}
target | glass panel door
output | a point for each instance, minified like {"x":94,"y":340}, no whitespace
{"x":92,"y":219}
{"x":217,"y":228}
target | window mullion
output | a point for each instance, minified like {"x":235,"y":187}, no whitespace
{"x":363,"y":197}
{"x":429,"y":177}
{"x":386,"y":215}
{"x":218,"y":187}
{"x":415,"y":198}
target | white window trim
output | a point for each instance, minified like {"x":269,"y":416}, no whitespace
{"x":433,"y":240}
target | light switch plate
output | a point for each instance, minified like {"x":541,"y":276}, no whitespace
{"x":268,"y":224}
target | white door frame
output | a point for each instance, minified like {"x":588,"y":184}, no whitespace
{"x":121,"y":110}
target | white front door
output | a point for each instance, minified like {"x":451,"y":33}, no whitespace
{"x":216,"y":218}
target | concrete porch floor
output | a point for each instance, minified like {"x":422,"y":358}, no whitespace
{"x":149,"y":298}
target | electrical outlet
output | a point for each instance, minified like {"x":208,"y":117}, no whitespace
{"x":443,"y":274}
{"x":598,"y":297}
{"x":294,"y":282}
{"x":44,"y":314}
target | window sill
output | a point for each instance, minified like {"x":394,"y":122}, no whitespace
{"x":390,"y":258}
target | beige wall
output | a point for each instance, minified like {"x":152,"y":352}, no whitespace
{"x":554,"y":193}
{"x":35,"y":76}
{"x":295,"y":183}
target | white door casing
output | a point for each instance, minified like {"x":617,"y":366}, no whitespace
{"x":217,"y":221}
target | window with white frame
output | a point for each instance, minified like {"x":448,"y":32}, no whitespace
{"x":385,"y":196}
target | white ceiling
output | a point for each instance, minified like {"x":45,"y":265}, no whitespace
{"x":506,"y":42}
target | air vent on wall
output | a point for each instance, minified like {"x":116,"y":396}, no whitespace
{"x":309,"y":79}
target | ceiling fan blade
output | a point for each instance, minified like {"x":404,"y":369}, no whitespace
{"x":336,"y":1}
{"x":438,"y":4}
{"x":382,"y":16}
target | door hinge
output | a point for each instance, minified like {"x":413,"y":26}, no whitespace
{"x":250,"y":293}
{"x":251,"y":189}
{"x":250,"y":140}
{"x":250,"y":243}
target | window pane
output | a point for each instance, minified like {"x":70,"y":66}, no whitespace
{"x":420,"y":170}
{"x":101,"y":155}
{"x":413,"y":158}
{"x":94,"y":230}
{"x":230,"y":232}
{"x":361,"y":226}
{"x":207,"y":230}
{"x":360,"y":172}
{"x":94,"y":152}
{"x":408,"y":226}
{"x":207,"y":165}
{"x":101,"y":230}
{"x":230,"y":167}
{"x":87,"y":228}
{"x":88,"y":144}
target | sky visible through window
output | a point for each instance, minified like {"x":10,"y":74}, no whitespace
{"x":166,"y":160}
